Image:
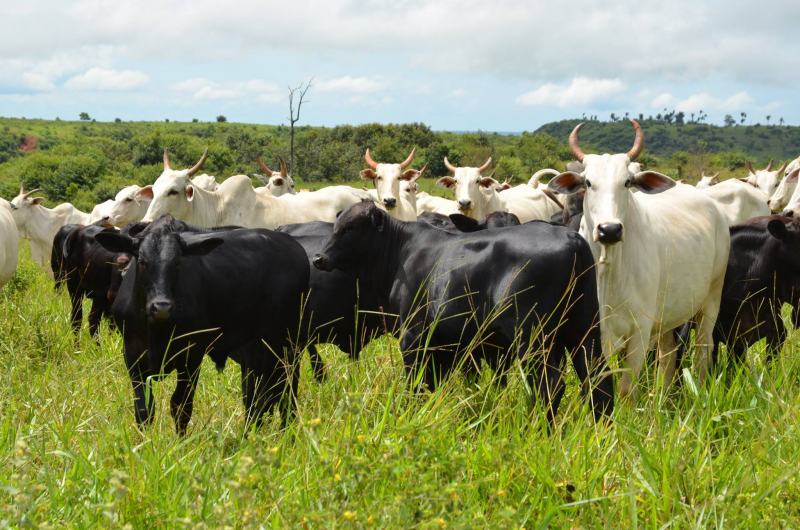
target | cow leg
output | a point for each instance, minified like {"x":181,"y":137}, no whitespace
{"x":267,"y":382}
{"x":76,"y":314}
{"x":667,"y":357}
{"x":545,"y":380}
{"x":636,"y":351}
{"x":592,"y":369}
{"x":415,"y":358}
{"x":143,"y":401}
{"x":95,"y":314}
{"x":182,"y":402}
{"x":317,"y":364}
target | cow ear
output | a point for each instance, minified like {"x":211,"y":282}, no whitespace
{"x":488,"y":182}
{"x":792,"y":177}
{"x":446,"y":182}
{"x":116,"y":242}
{"x":652,"y":182}
{"x":777,"y":228}
{"x":464,"y":223}
{"x":368,"y":174}
{"x":145,"y":193}
{"x":37,"y":200}
{"x":410,"y":174}
{"x":377,"y":216}
{"x":199,"y":245}
{"x":567,"y":183}
{"x":189,"y":191}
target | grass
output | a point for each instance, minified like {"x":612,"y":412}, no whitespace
{"x":365,"y":452}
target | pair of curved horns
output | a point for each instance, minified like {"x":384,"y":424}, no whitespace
{"x":26,"y":194}
{"x":268,"y":171}
{"x":452,"y":169}
{"x":638,"y":142}
{"x":192,"y":170}
{"x":404,"y":164}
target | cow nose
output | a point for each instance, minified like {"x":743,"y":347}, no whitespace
{"x":161,"y":309}
{"x":464,"y":204}
{"x":788,"y":213}
{"x":609,"y":233}
{"x":390,"y":202}
{"x":320,"y":262}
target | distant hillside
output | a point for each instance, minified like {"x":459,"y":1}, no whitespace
{"x":664,"y":139}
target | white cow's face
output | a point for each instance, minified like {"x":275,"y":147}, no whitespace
{"x":129,"y":206}
{"x":408,"y":191}
{"x":387,"y":178}
{"x":280,"y":185}
{"x":22,"y":207}
{"x":766,"y":181}
{"x":473,"y":191}
{"x":609,"y":184}
{"x":792,"y":208}
{"x":171,"y":193}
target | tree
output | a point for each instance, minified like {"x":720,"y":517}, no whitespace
{"x":221,"y":119}
{"x":297,"y":94}
{"x":769,"y":117}
{"x":84,"y":116}
{"x":743,"y":116}
{"x":729,"y":121}
{"x":781,"y":121}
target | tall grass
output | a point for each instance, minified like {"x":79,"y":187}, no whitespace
{"x":365,"y":451}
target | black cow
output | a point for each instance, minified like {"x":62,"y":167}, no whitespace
{"x":496,"y":294}
{"x":461,"y":223}
{"x":88,"y":270}
{"x":228,"y":293}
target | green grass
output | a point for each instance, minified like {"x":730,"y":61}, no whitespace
{"x":364,"y":451}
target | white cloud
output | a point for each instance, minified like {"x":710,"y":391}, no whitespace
{"x":104,"y":79}
{"x":351,"y":85}
{"x":457,"y":93}
{"x":202,"y":89}
{"x":704,"y":101}
{"x":579,"y":92}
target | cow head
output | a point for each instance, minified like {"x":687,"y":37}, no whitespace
{"x":172,"y":191}
{"x":158,"y":253}
{"x":128,"y":207}
{"x":474,"y":192}
{"x":608,"y":182}
{"x":706,"y":181}
{"x":785,"y":190}
{"x":387,"y":178}
{"x":353,"y":238}
{"x":764,"y":179}
{"x":277,"y":182}
{"x":793,"y":205}
{"x":23,"y":206}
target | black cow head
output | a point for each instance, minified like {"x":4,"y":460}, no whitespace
{"x":352,"y":239}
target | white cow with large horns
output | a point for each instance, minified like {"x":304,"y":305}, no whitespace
{"x":277,"y":182}
{"x":661,"y":257}
{"x":780,"y":198}
{"x":39,"y":225}
{"x":765,"y":179}
{"x":386,"y":178}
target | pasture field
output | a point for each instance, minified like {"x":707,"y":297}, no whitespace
{"x":366,"y":452}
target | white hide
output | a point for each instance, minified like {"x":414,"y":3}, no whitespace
{"x":668,"y":268}
{"x":431,"y":203}
{"x":738,"y":201}
{"x":101,"y":211}
{"x":39,"y":225}
{"x":792,"y":207}
{"x":529,"y":203}
{"x":9,"y":243}
{"x":706,"y":181}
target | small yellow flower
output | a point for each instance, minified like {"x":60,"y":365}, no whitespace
{"x":349,"y":515}
{"x":273,"y":450}
{"x":361,"y":438}
{"x":441,"y":522}
{"x":501,"y":493}
{"x":370,"y":520}
{"x":337,"y":477}
{"x":315,"y":422}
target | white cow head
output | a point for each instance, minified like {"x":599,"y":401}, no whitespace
{"x":793,"y":205}
{"x":706,"y":181}
{"x":22,"y":207}
{"x":278,"y":182}
{"x":764,"y":179}
{"x":172,"y":191}
{"x":387,"y":177}
{"x":609,"y":183}
{"x":780,"y":199}
{"x":474,"y":192}
{"x":129,"y":206}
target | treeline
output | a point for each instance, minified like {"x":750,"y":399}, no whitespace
{"x":88,"y":162}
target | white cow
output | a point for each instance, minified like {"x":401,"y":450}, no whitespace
{"x":9,"y":243}
{"x":706,"y":181}
{"x":408,"y":193}
{"x":764,"y":179}
{"x":39,"y":225}
{"x":536,"y":177}
{"x":661,"y":255}
{"x":530,"y":204}
{"x":792,"y":208}
{"x":738,"y":201}
{"x":785,"y":190}
{"x":277,"y":182}
{"x":387,"y":178}
{"x":101,"y":211}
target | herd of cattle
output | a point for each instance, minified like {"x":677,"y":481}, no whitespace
{"x":606,"y":258}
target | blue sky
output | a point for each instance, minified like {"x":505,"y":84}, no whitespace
{"x":504,"y":65}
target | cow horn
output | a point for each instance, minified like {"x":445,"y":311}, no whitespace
{"x":199,"y":165}
{"x":21,"y":188}
{"x":166,"y":159}
{"x":573,"y":143}
{"x":27,"y":194}
{"x":284,"y":167}
{"x":638,"y":142}
{"x":450,"y":167}
{"x":404,"y":164}
{"x":370,"y":162}
{"x":769,"y":166}
{"x":485,"y":165}
{"x":264,"y":167}
{"x":783,"y":166}
{"x":749,"y":167}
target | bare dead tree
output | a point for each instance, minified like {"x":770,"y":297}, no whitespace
{"x":296,"y":94}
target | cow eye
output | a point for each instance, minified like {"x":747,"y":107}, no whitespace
{"x":128,"y":200}
{"x":628,"y":182}
{"x":588,"y":184}
{"x":172,"y":192}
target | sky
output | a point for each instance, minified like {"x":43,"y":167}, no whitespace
{"x":500,"y":65}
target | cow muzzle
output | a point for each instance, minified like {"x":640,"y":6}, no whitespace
{"x":788,"y":213}
{"x":321,"y":262}
{"x":464,"y":205}
{"x":390,"y":202}
{"x":609,"y":233}
{"x":160,"y":309}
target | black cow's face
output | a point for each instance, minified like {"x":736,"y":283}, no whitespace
{"x":350,"y":243}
